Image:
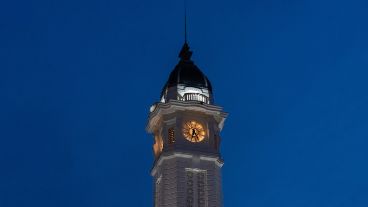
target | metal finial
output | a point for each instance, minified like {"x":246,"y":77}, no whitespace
{"x":185,"y":53}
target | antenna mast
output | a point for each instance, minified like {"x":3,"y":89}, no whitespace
{"x":185,"y":21}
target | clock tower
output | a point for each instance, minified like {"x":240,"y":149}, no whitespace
{"x":186,"y":126}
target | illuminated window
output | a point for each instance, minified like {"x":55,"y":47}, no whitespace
{"x":171,"y":135}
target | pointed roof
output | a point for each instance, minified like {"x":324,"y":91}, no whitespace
{"x":187,"y":73}
{"x":185,"y":53}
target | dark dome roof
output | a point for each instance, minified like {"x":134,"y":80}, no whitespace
{"x":187,"y":74}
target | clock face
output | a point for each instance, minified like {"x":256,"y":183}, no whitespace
{"x":193,"y":131}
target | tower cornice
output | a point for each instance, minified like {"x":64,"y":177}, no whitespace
{"x":160,"y":109}
{"x":167,"y":156}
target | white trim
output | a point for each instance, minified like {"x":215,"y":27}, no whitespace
{"x":182,"y":155}
{"x":195,"y":169}
{"x":163,"y":157}
{"x":212,"y":159}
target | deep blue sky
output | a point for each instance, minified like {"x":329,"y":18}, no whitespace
{"x":77,"y":79}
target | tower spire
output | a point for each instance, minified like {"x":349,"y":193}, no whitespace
{"x":185,"y":52}
{"x":185,"y":22}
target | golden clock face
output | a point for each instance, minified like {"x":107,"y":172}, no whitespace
{"x":193,"y":131}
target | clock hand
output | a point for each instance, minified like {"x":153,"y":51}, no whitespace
{"x":194,"y":133}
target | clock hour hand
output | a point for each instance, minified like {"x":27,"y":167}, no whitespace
{"x":194,"y":133}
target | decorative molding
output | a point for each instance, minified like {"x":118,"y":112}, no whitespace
{"x":170,"y":121}
{"x":218,"y":161}
{"x":174,"y":105}
{"x":162,"y":158}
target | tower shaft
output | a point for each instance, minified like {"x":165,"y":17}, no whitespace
{"x":186,"y":126}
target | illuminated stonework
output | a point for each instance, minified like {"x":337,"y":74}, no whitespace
{"x":186,"y":126}
{"x":157,"y":191}
{"x":184,"y":93}
{"x":196,"y":188}
{"x":158,"y":146}
{"x":189,"y":188}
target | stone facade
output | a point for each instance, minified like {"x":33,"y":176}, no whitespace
{"x":186,"y":174}
{"x":186,"y":127}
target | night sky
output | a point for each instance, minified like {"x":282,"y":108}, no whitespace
{"x":77,"y":79}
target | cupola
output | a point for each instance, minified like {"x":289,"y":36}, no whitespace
{"x":187,"y":82}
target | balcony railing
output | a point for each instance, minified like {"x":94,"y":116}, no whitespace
{"x":196,"y":97}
